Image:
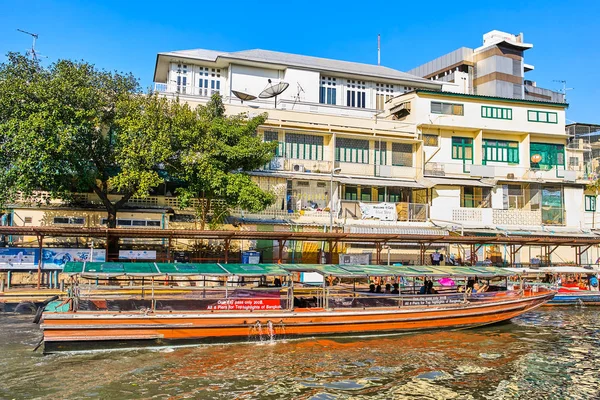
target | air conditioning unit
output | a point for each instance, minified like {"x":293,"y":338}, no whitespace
{"x":298,"y":168}
{"x":510,"y":176}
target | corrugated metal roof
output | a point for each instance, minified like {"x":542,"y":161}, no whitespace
{"x":296,"y":60}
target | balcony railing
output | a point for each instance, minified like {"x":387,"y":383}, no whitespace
{"x":299,"y":166}
{"x":406,"y":212}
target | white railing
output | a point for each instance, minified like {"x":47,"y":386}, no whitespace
{"x":517,"y":217}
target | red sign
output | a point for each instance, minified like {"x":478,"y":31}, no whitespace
{"x":246,"y":304}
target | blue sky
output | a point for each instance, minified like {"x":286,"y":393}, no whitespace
{"x":126,"y":35}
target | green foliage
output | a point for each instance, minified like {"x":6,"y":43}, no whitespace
{"x":71,"y":128}
{"x":214,"y":157}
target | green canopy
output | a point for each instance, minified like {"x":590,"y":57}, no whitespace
{"x":216,"y":269}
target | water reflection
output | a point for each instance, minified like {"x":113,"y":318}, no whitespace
{"x":544,"y":354}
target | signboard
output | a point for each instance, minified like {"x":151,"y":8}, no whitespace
{"x":137,"y":255}
{"x":380,"y":211}
{"x":433,"y":300}
{"x":18,"y":256}
{"x":57,"y":258}
{"x":23,"y":258}
{"x":355,"y":259}
{"x":246,"y":304}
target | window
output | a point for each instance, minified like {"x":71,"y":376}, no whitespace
{"x":365,"y":193}
{"x":352,"y":150}
{"x":590,"y":203}
{"x":69,"y":220}
{"x":383,"y":92}
{"x":133,"y":222}
{"x":380,"y":153}
{"x":542,"y":116}
{"x":447,"y":108}
{"x":181,"y":78}
{"x":430,"y":140}
{"x":327,"y":93}
{"x":476,"y":197}
{"x":549,"y":155}
{"x":303,"y":147}
{"x":500,"y":150}
{"x":27,"y":220}
{"x":402,"y":154}
{"x":573,"y":161}
{"x":271,"y":136}
{"x":356,"y":95}
{"x":351,"y":193}
{"x":209,"y":81}
{"x":513,"y":197}
{"x":302,"y":184}
{"x":496,"y":112}
{"x":462,"y":148}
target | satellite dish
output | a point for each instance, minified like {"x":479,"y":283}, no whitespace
{"x":273,"y":90}
{"x":243,"y":96}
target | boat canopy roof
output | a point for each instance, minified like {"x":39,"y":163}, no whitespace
{"x":521,"y":271}
{"x":566,"y":269}
{"x":218,"y":269}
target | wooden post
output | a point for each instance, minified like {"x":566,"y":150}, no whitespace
{"x":227,"y":250}
{"x":330,"y":258}
{"x":40,"y":239}
{"x":169,"y":250}
{"x":280,"y":260}
{"x":378,"y":257}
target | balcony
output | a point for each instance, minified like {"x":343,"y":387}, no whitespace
{"x":299,"y":166}
{"x":405,"y":212}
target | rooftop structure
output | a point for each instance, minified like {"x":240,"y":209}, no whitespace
{"x":316,"y":85}
{"x":497,"y":68}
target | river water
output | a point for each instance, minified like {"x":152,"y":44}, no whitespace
{"x":546,"y":354}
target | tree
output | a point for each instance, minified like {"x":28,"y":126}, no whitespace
{"x":72,"y":128}
{"x":214,"y":158}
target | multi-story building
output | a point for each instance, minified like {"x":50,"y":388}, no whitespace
{"x":366,"y":148}
{"x":497,"y":68}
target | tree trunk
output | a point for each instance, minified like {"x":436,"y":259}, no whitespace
{"x":112,"y":242}
{"x":205,"y":211}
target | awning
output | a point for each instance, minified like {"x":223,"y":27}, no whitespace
{"x":380,"y":182}
{"x":393,"y":230}
{"x":459,"y":182}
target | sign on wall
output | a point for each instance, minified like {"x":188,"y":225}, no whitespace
{"x":57,"y":258}
{"x":137,"y":254}
{"x":18,"y":256}
{"x":23,"y":258}
{"x":380,"y":211}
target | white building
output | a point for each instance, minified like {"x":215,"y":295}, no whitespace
{"x":376,"y":150}
{"x":497,"y":68}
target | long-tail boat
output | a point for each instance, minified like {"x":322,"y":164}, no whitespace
{"x":573,"y":289}
{"x":228,"y":302}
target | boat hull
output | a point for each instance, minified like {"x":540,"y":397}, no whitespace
{"x":575,"y":299}
{"x":81,"y":330}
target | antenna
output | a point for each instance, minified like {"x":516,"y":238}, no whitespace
{"x":297,"y":97}
{"x":564,"y":88}
{"x":34,"y":55}
{"x":378,"y":49}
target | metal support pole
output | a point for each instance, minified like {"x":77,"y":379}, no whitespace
{"x":378,"y":256}
{"x":40,"y":239}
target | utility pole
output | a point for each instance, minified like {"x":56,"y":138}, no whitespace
{"x":32,"y":52}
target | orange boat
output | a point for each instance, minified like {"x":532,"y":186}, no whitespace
{"x":243,"y":308}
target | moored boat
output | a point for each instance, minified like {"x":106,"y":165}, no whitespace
{"x":573,"y":284}
{"x":269,"y":299}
